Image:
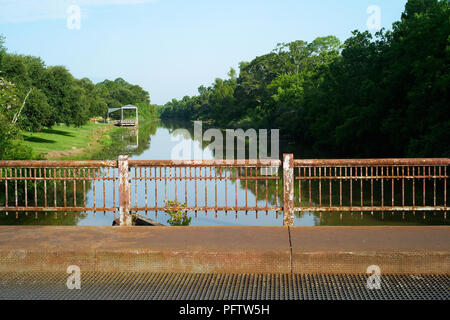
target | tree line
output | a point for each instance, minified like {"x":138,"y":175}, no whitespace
{"x":34,"y":96}
{"x":375,"y":95}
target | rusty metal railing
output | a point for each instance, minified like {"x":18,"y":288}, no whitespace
{"x":125,"y":186}
{"x":209,"y":185}
{"x":367,"y":184}
{"x":56,"y":186}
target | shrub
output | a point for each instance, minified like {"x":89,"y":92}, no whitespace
{"x":177,"y":218}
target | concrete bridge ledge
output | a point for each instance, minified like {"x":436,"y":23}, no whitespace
{"x":302,"y":250}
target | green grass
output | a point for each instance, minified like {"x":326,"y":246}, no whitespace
{"x":62,"y":138}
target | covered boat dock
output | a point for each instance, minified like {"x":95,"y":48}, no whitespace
{"x":124,"y":122}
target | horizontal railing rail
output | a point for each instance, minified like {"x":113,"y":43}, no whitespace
{"x":25,"y":164}
{"x":372,"y":162}
{"x":125,"y":186}
{"x":205,"y":163}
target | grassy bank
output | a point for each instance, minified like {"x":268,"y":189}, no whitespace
{"x":68,"y":143}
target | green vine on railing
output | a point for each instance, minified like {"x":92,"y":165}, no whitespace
{"x":177,"y":218}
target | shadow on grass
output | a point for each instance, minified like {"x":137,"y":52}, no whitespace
{"x":59,"y":132}
{"x":36,"y":139}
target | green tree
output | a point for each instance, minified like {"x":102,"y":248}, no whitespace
{"x":37,"y":113}
{"x":417,"y":80}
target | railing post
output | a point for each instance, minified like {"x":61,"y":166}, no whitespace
{"x":124,"y":192}
{"x":288,"y":189}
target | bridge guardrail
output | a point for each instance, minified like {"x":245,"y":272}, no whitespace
{"x":354,"y":185}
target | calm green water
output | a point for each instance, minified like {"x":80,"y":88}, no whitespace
{"x":155,"y":141}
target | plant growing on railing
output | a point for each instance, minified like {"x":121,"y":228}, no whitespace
{"x":177,"y":218}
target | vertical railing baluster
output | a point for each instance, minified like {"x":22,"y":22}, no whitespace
{"x":300,"y":186}
{"x":165,"y":186}
{"x":156,"y":190}
{"x":175,"y":181}
{"x":340,"y":186}
{"x":320,"y":187}
{"x":104,"y":188}
{"x":246,"y":186}
{"x":445,"y":192}
{"x":146,"y":190}
{"x":310,"y":187}
{"x":65,"y":187}
{"x":26,"y":186}
{"x":445,"y":187}
{"x":226,"y":188}
{"x":185,"y":184}
{"x":235,"y":187}
{"x":256,"y":190}
{"x":15,"y":188}
{"x":403,"y":186}
{"x":267,"y":189}
{"x":276,"y":190}
{"x":195,"y":185}
{"x":382,"y":185}
{"x":74,"y":176}
{"x":413,"y":187}
{"x":393,"y":186}
{"x":331,"y":191}
{"x":351,"y":186}
{"x":35,"y":187}
{"x":155,"y":180}
{"x":54,"y":188}
{"x":423,"y":187}
{"x":371,"y":186}
{"x":6,"y":188}
{"x":361,"y":185}
{"x":434,"y":186}
{"x":92,"y":177}
{"x":206,"y":190}
{"x":216,"y":170}
{"x":84,"y":187}
{"x":136,"y":178}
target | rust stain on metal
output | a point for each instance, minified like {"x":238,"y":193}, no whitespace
{"x":288,"y":193}
{"x":124,"y":192}
{"x":57,"y":164}
{"x":373,"y":162}
{"x":205,"y":163}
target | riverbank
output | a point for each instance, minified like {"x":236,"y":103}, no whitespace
{"x":63,"y":142}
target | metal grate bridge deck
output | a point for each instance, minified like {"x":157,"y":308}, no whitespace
{"x":175,"y":286}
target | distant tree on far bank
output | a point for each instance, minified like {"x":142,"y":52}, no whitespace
{"x":376,"y":95}
{"x":56,"y":97}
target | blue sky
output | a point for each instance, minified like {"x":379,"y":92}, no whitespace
{"x":171,"y":47}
